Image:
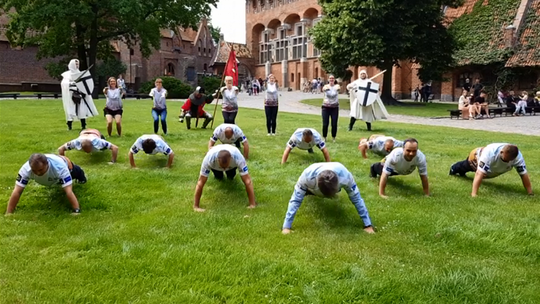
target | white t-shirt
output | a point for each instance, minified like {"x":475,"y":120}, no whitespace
{"x":161,"y":145}
{"x":160,"y":98}
{"x":211,"y":160}
{"x":396,"y":163}
{"x":296,"y":140}
{"x":219,"y":133}
{"x":98,"y":144}
{"x":491,"y":164}
{"x":377,"y":145}
{"x":58,"y":173}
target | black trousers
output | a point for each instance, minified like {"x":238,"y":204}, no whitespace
{"x":328,"y":113}
{"x":237,"y":143}
{"x":78,"y":174}
{"x":376,"y":170}
{"x":219,"y":174}
{"x":462,"y":167}
{"x":271,"y":116}
{"x":229,"y":117}
{"x":83,"y":124}
{"x":353,"y":120}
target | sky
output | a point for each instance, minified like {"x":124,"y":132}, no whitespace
{"x":230,"y":16}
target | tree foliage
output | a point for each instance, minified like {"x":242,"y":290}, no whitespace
{"x":215,"y":31}
{"x":174,"y":86}
{"x":84,"y":29}
{"x":383,"y":32}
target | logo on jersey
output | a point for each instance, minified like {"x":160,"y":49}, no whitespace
{"x":521,"y":169}
{"x":245,"y":169}
{"x":168,"y":151}
{"x":483,"y":166}
{"x":353,"y":188}
{"x":292,"y":143}
{"x":243,"y":138}
{"x":21,"y":180}
{"x":214,"y":138}
{"x":65,"y":180}
{"x":207,"y":171}
{"x":134,"y":149}
{"x":321,"y":145}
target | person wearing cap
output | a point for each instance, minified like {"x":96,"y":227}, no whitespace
{"x":229,"y":108}
{"x":193,"y":107}
{"x":369,"y":114}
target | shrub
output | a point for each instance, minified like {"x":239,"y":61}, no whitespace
{"x":175,"y":87}
{"x":210,"y":84}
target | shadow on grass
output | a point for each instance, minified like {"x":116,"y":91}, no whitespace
{"x":495,"y":187}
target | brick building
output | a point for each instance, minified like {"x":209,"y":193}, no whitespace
{"x":245,"y":59}
{"x":185,"y":56}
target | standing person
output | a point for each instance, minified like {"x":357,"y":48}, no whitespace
{"x":467,"y":85}
{"x":229,"y":108}
{"x":491,"y":161}
{"x":255,"y":86}
{"x":159,"y":109}
{"x":151,"y":144}
{"x":113,"y":105}
{"x":416,"y":92}
{"x":48,"y":170}
{"x":122,"y":84}
{"x":271,"y":104}
{"x":77,"y":105}
{"x":223,"y":159}
{"x":330,"y":107}
{"x":370,"y":113}
{"x":326,"y":180}
{"x":477,"y":87}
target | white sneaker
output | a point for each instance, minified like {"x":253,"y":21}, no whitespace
{"x":273,"y":134}
{"x":268,"y":134}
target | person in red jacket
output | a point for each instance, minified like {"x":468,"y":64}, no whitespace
{"x":193,"y":107}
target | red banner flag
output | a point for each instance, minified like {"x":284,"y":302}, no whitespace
{"x":231,"y":68}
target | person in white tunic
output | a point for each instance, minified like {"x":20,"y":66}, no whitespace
{"x":402,"y":161}
{"x":90,"y":140}
{"x":230,"y":134}
{"x":229,"y":108}
{"x":219,"y":159}
{"x":305,"y":139}
{"x":48,"y":170}
{"x":379,"y":144}
{"x":369,"y":114}
{"x":326,"y":180}
{"x":151,"y":144}
{"x":75,"y":108}
{"x":491,"y":161}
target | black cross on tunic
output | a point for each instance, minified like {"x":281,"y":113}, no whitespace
{"x":368,"y":90}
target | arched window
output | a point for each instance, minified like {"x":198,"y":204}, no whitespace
{"x":170,"y":69}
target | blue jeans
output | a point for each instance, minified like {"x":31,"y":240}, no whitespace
{"x":155,"y":114}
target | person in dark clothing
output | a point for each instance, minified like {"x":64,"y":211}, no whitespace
{"x":477,"y":87}
{"x":511,"y":101}
{"x":467,"y":85}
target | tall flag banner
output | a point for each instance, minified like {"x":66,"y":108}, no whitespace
{"x":231,"y":68}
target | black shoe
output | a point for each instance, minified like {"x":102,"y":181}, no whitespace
{"x":451,"y":172}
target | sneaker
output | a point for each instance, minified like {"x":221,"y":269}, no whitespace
{"x":181,"y":120}
{"x":451,"y":172}
{"x":334,"y":140}
{"x":273,"y":134}
{"x":268,"y":134}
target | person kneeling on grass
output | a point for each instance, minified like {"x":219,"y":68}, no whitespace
{"x":491,"y":161}
{"x":90,"y":140}
{"x":305,"y":139}
{"x":326,"y":180}
{"x":48,"y":170}
{"x":151,"y":144}
{"x":228,"y":159}
{"x":379,"y":144}
{"x":402,"y":161}
{"x":230,"y":134}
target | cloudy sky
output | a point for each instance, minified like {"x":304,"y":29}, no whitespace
{"x":230,"y":16}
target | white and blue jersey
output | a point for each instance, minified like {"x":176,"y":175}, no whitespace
{"x":98,"y":144}
{"x":211,"y":160}
{"x":491,"y":164}
{"x":308,"y":182}
{"x":397,"y":164}
{"x":377,"y":145}
{"x":219,"y":133}
{"x":296,"y":140}
{"x":58,"y":173}
{"x":161,"y":145}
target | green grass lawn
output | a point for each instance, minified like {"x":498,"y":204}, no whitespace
{"x":139,"y":241}
{"x":410,"y":108}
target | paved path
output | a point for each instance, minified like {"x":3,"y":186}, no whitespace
{"x":290,"y":102}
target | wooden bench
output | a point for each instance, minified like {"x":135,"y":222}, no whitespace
{"x":51,"y":95}
{"x":10,"y":95}
{"x":455,"y":113}
{"x":532,"y":110}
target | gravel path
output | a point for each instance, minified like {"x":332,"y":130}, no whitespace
{"x":290,"y":102}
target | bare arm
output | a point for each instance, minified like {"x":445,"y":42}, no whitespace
{"x":326,"y":154}
{"x":211,"y":143}
{"x":71,"y":197}
{"x":363,"y":148}
{"x":527,"y":183}
{"x":249,"y":189}
{"x":478,"y":177}
{"x":198,"y":192}
{"x":425,"y":184}
{"x":62,"y":150}
{"x":246,"y":149}
{"x":132,"y":160}
{"x":14,"y":199}
{"x":114,"y":150}
{"x":169,"y":162}
{"x":382,"y":184}
{"x":285,"y":155}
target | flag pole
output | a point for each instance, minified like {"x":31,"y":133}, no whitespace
{"x":219,"y":89}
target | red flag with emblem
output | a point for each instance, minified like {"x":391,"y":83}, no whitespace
{"x":231,"y":68}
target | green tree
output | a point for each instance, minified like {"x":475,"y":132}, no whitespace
{"x":215,"y":31}
{"x":383,"y":32}
{"x":84,"y":29}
